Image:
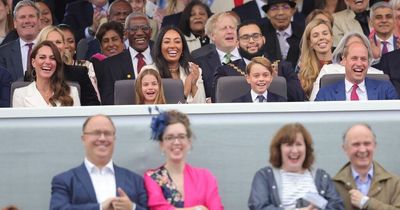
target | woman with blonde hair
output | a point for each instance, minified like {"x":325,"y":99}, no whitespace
{"x":80,"y":74}
{"x":149,"y":88}
{"x":316,"y":51}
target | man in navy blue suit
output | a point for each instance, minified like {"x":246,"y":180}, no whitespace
{"x":98,"y":184}
{"x":356,"y":86}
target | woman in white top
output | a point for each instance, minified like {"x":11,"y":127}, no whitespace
{"x":172,"y":59}
{"x":49,"y":87}
{"x":291,"y":177}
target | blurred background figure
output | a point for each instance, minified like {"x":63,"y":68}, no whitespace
{"x":46,"y":16}
{"x":149,"y":88}
{"x":192,"y":24}
{"x":171,"y":11}
{"x":12,"y":207}
{"x":396,"y":9}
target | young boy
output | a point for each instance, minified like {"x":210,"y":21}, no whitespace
{"x":259,"y":76}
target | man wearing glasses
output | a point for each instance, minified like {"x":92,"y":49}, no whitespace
{"x":97,"y":183}
{"x":284,"y":36}
{"x":127,"y":64}
{"x":252,"y":44}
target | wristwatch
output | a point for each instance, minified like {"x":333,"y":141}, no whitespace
{"x":91,"y":31}
{"x":363,"y":201}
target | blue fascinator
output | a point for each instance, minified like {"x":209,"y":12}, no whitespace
{"x":158,"y":124}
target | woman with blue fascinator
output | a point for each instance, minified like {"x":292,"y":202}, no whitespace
{"x":176,"y":184}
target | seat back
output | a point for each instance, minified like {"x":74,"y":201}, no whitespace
{"x":231,"y":87}
{"x":20,"y":84}
{"x":329,"y":79}
{"x":124,"y":91}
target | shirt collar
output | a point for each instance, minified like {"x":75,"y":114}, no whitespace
{"x":104,"y":8}
{"x":22,"y":43}
{"x":91,"y":168}
{"x":356,"y":175}
{"x":349,"y":86}
{"x":254,"y":95}
{"x":146,"y":52}
{"x":390,"y":40}
{"x":235,"y":54}
{"x":288,"y":31}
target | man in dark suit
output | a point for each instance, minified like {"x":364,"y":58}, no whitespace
{"x":383,"y":21}
{"x":98,"y":183}
{"x":356,"y":86}
{"x":252,"y":44}
{"x":14,"y":55}
{"x":5,"y":86}
{"x":283,"y":36}
{"x":85,"y":16}
{"x":389,"y":64}
{"x":125,"y":65}
{"x":221,"y":28}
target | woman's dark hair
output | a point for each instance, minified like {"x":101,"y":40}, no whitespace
{"x":321,"y":4}
{"x":287,"y":135}
{"x":184,"y":22}
{"x":57,"y":82}
{"x":158,"y":58}
{"x":112,"y":25}
{"x":54,"y":19}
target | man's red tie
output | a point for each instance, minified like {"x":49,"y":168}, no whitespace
{"x":140,"y":62}
{"x":354,"y":95}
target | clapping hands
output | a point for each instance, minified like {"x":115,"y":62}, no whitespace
{"x":122,"y":202}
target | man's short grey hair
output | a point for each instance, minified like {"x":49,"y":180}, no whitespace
{"x":366,"y":125}
{"x":394,"y":3}
{"x":25,"y":3}
{"x":135,"y":15}
{"x":379,"y":5}
{"x":339,"y":52}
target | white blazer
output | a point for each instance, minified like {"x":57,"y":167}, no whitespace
{"x":30,"y":96}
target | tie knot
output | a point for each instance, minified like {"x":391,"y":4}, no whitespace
{"x":384,"y":42}
{"x":355,"y":86}
{"x":29,"y":45}
{"x":227,"y":58}
{"x":139,"y":55}
{"x":260,"y":98}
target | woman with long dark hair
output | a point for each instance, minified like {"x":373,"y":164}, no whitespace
{"x":49,"y":87}
{"x":172,"y":59}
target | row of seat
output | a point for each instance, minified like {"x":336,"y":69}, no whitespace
{"x":227,"y":88}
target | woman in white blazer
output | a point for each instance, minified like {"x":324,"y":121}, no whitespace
{"x":49,"y":87}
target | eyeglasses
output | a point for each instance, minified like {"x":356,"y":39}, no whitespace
{"x":134,"y":29}
{"x":180,"y":137}
{"x":280,"y":7}
{"x":246,"y":37}
{"x":98,"y":133}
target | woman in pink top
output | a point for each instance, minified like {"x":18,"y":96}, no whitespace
{"x":176,"y":184}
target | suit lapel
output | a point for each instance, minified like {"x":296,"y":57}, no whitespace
{"x":248,"y":98}
{"x":82,"y":175}
{"x":340,"y":91}
{"x":16,"y":59}
{"x":119,"y":178}
{"x":127,"y":68}
{"x":371,"y":88}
